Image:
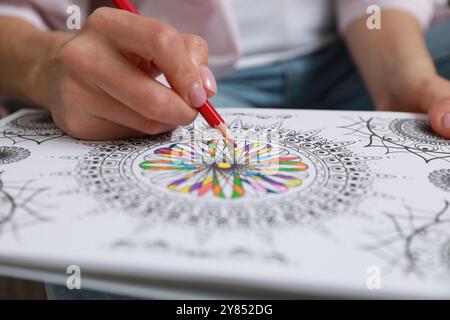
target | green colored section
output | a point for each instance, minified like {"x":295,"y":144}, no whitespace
{"x":289,"y":169}
{"x":287,"y":162}
{"x":237,"y":184}
{"x":212,"y":149}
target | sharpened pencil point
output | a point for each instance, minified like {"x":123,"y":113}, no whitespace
{"x":226,"y":133}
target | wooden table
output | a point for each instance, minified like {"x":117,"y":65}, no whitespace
{"x":15,"y":289}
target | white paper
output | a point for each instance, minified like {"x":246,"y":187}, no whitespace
{"x":311,"y":202}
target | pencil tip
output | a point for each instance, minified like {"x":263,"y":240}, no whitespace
{"x":226,"y":133}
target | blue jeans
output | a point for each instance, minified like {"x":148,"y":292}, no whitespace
{"x":326,"y":79}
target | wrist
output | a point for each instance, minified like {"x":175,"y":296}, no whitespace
{"x":407,"y":84}
{"x":40,"y":80}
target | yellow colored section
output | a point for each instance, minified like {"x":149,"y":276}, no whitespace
{"x":224,"y":165}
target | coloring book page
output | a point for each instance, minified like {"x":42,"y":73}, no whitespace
{"x":323,"y":202}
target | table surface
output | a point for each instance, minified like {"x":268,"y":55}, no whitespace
{"x":14,"y":289}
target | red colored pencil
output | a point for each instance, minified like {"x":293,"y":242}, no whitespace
{"x":208,"y":112}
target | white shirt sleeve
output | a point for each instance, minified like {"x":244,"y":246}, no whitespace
{"x":23,"y":10}
{"x":44,"y":14}
{"x":350,"y":10}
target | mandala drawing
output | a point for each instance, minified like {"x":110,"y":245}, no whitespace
{"x":413,"y":136}
{"x":292,"y":194}
{"x":287,"y":178}
{"x":224,"y":171}
{"x":407,"y":245}
{"x":12,"y":154}
{"x":19,"y":205}
{"x":36,"y":126}
{"x":441,"y":179}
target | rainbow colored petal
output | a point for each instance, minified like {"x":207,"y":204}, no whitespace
{"x":227,"y":172}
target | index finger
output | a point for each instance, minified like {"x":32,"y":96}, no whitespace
{"x":154,"y":41}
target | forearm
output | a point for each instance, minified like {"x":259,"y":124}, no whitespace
{"x":387,"y":57}
{"x":24,"y":51}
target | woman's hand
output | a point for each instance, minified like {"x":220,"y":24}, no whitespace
{"x":419,"y":93}
{"x":101,"y":83}
{"x":398,"y":68}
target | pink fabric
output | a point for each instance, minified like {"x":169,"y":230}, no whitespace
{"x":350,"y":10}
{"x":212,"y":19}
{"x":51,"y":14}
{"x":45,"y":14}
{"x":442,"y":14}
{"x":189,"y":16}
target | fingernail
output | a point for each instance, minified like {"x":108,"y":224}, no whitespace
{"x":197,"y":95}
{"x":446,"y":121}
{"x":209,"y":81}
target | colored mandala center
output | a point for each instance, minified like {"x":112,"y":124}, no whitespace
{"x":215,"y":168}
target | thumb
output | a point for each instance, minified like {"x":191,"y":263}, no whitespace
{"x":198,"y":51}
{"x":439,"y":115}
{"x":436,"y":101}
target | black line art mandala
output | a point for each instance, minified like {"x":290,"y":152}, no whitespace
{"x":12,"y":154}
{"x":441,"y":179}
{"x":19,"y":205}
{"x":36,"y":126}
{"x":288,"y":177}
{"x":418,"y":241}
{"x":413,"y":136}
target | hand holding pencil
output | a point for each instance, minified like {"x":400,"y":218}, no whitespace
{"x":100,"y":84}
{"x":206,"y":109}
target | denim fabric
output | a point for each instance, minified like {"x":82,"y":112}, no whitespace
{"x":327,"y":79}
{"x":323,"y":80}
